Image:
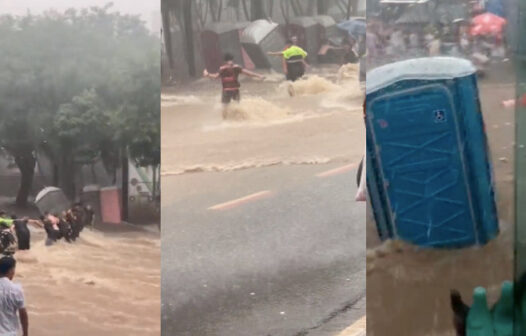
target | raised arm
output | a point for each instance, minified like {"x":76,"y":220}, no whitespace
{"x":275,"y":53}
{"x":36,"y":223}
{"x":210,"y":75}
{"x":252,"y":74}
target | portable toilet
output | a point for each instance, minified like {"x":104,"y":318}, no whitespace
{"x":260,"y":37}
{"x":327,"y":28}
{"x":429,"y":171}
{"x":306,"y":29}
{"x":219,"y":38}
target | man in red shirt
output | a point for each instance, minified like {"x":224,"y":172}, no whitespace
{"x":229,"y":74}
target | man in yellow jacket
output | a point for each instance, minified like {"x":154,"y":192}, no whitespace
{"x":294,"y":58}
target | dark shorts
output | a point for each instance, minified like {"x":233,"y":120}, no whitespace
{"x":295,"y":71}
{"x":228,"y":96}
{"x":24,"y":239}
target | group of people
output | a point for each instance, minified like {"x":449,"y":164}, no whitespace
{"x":294,"y":65}
{"x":15,"y":234}
{"x":387,"y":43}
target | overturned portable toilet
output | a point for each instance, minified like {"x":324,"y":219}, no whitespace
{"x":219,"y":38}
{"x":307,"y":30}
{"x":429,"y":173}
{"x":327,"y":28}
{"x":260,"y":37}
{"x":52,"y":200}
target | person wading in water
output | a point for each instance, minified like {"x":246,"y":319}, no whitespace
{"x":295,"y":64}
{"x":229,"y":74}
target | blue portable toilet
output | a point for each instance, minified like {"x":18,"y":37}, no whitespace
{"x":429,"y":173}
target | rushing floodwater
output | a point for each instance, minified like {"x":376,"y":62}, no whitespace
{"x":101,"y":285}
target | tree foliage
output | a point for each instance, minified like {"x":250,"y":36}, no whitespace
{"x":75,"y":83}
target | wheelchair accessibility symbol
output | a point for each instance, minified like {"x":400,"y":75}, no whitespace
{"x":439,"y":116}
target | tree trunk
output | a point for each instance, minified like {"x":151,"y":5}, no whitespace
{"x":349,"y":7}
{"x":257,"y":10}
{"x":220,"y":10}
{"x":284,"y":11}
{"x":67,"y":175}
{"x":238,"y":12}
{"x":271,"y":8}
{"x":310,"y":7}
{"x":189,"y":37}
{"x":295,"y":8}
{"x":154,"y":184}
{"x":167,"y":34}
{"x":56,"y":180}
{"x":213,"y":9}
{"x":300,"y":7}
{"x":322,"y":7}
{"x":26,"y":163}
{"x":354,"y":9}
{"x":245,"y":9}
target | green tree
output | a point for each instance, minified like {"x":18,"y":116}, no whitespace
{"x":68,"y":83}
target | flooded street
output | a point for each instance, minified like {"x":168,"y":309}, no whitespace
{"x":408,"y":288}
{"x":322,"y":123}
{"x":105,"y":284}
{"x":261,"y":234}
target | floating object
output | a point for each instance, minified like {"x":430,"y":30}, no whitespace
{"x":260,"y":37}
{"x":52,"y":200}
{"x":429,"y":176}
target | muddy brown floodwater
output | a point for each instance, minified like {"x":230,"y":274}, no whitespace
{"x":321,"y":123}
{"x":107,"y":285}
{"x":408,"y":288}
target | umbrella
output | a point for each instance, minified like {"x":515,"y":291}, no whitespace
{"x":353,"y":27}
{"x":487,"y":24}
{"x":52,"y":200}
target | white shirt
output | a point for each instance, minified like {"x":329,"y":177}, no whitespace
{"x":11,"y":300}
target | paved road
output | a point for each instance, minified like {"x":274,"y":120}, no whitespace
{"x":287,"y":260}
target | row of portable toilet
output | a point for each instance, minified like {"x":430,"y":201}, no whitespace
{"x":249,"y":42}
{"x":429,"y":175}
{"x":105,"y":202}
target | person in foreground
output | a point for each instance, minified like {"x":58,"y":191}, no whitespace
{"x":11,"y":301}
{"x":229,"y":74}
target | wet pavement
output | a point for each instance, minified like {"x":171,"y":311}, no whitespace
{"x":289,"y":264}
{"x":254,"y":241}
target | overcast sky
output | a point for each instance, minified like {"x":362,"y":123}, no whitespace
{"x":149,"y":10}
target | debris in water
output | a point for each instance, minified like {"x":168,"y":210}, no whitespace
{"x":503,"y":159}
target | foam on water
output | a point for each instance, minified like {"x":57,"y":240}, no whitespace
{"x":175,"y":100}
{"x":311,"y":85}
{"x":255,"y":109}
